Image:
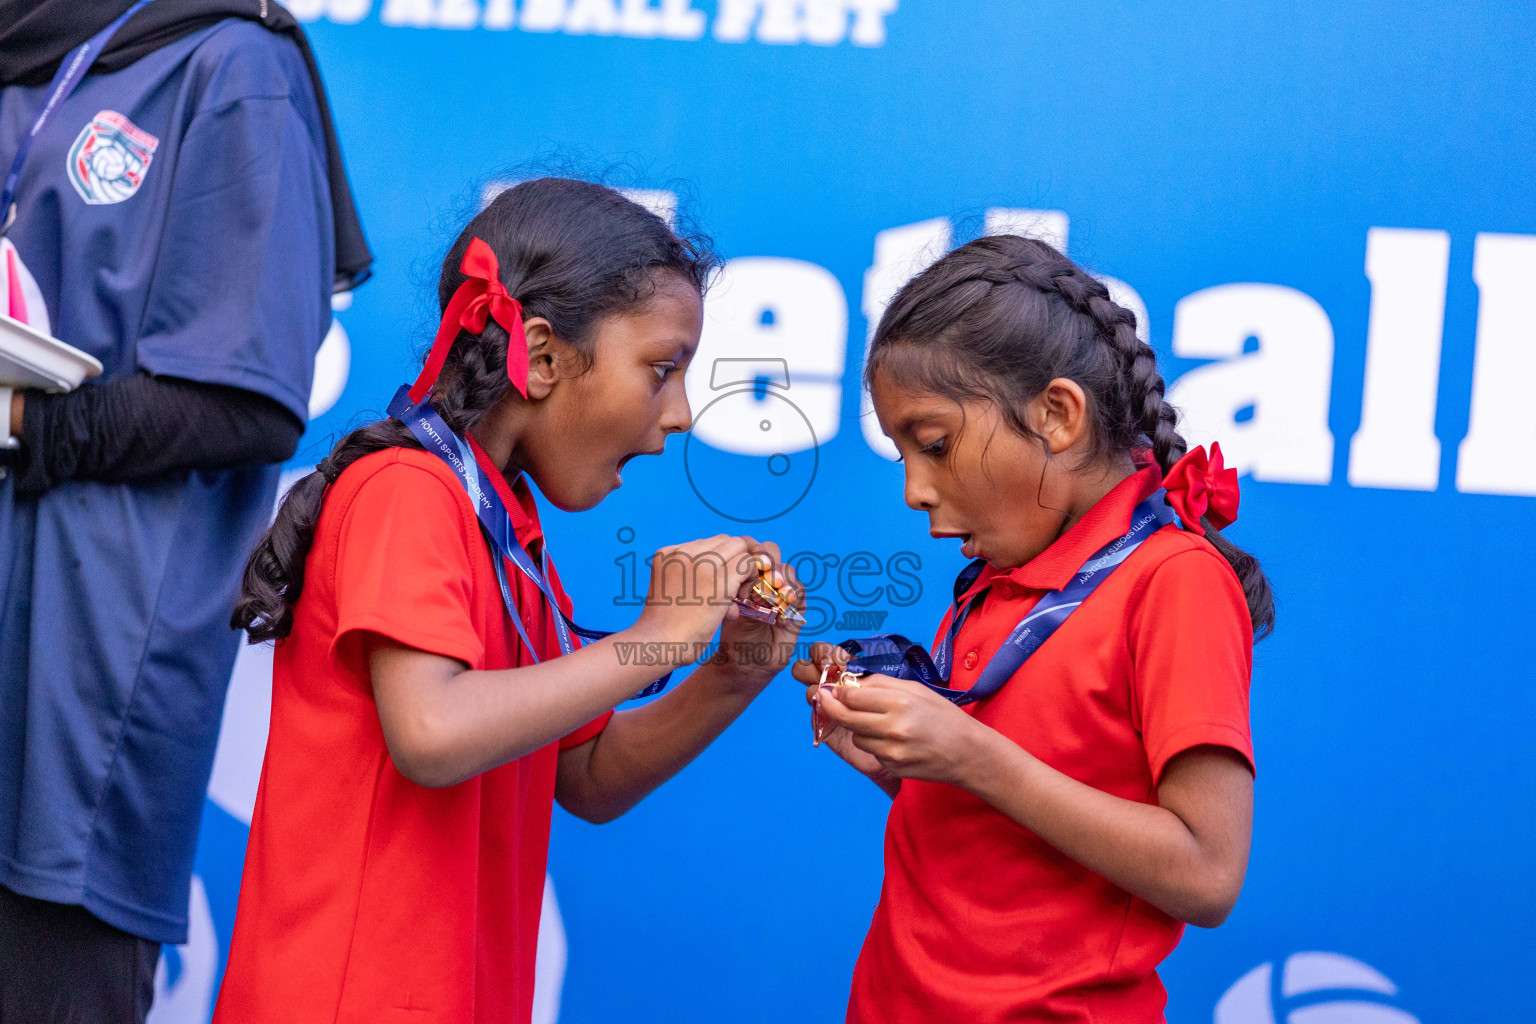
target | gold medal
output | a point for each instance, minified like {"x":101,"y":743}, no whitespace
{"x":768,"y":602}
{"x":820,"y":726}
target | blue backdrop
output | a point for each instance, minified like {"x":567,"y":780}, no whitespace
{"x":1326,"y":213}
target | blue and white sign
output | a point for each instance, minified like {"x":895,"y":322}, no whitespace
{"x":1323,"y":215}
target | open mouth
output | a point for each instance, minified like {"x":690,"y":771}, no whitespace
{"x":968,"y":542}
{"x":625,"y":460}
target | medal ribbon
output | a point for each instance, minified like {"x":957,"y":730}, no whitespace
{"x":71,"y":71}
{"x":435,"y":436}
{"x":892,"y":654}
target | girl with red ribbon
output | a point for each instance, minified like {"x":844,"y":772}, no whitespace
{"x":419,"y":735}
{"x":1048,"y":840}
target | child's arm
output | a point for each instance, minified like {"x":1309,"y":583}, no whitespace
{"x":444,"y":723}
{"x":1186,"y":855}
{"x":645,"y":746}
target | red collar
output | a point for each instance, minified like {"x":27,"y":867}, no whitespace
{"x":518,"y":499}
{"x":1108,"y":519}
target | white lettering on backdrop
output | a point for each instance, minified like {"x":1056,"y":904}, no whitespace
{"x":1267,"y":407}
{"x":779,"y":22}
{"x":1265,"y":393}
{"x":776,"y":313}
{"x":1498,"y":455}
{"x":900,"y":255}
{"x":1396,"y":444}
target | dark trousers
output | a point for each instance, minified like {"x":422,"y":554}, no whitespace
{"x":61,"y":964}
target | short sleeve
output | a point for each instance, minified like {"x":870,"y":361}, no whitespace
{"x":403,"y":565}
{"x":1192,"y":651}
{"x":243,"y":273}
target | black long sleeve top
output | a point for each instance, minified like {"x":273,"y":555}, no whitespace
{"x":137,"y":428}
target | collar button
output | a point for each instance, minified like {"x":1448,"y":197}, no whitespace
{"x":970,"y":660}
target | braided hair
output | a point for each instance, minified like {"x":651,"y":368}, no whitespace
{"x":571,"y":252}
{"x":1001,"y":317}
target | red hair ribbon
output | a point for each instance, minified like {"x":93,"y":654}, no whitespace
{"x":481,"y":296}
{"x":1200,"y":486}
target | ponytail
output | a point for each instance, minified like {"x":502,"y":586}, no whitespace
{"x":1012,"y":314}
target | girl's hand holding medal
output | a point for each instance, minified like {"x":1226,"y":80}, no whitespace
{"x":827,"y":682}
{"x":758,"y":622}
{"x":761,"y":627}
{"x":685,"y":602}
{"x":889,"y":729}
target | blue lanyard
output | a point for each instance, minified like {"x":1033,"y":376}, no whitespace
{"x":894,"y":655}
{"x":71,"y":71}
{"x":436,"y":437}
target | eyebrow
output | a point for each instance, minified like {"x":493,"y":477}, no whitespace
{"x":911,"y":420}
{"x":672,"y":350}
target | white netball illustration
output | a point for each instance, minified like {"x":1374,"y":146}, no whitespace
{"x":109,"y":158}
{"x":1314,"y":988}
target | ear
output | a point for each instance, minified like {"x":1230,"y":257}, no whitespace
{"x":545,"y":352}
{"x":1060,"y":414}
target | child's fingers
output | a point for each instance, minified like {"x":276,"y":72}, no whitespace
{"x":740,"y":560}
{"x":738,"y":550}
{"x":824,"y":657}
{"x":824,"y":654}
{"x":890,"y":684}
{"x":878,"y":747}
{"x":792,"y":580}
{"x":750,"y":559}
{"x":874,"y":699}
{"x":806,"y":671}
{"x":687,"y":556}
{"x":832,"y":706}
{"x":764,"y":547}
{"x":722,"y":544}
{"x":757,"y":556}
{"x":782,"y":575}
{"x":695,"y":547}
{"x":739,"y":556}
{"x":827,"y":656}
{"x":721,"y":550}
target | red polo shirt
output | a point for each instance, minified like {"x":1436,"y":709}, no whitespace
{"x":981,"y":920}
{"x":367,"y":898}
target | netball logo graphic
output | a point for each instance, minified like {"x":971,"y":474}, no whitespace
{"x":1315,"y":988}
{"x":109,"y":159}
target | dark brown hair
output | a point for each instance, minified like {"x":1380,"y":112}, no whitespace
{"x":1001,"y":317}
{"x":572,"y":252}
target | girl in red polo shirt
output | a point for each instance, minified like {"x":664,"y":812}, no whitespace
{"x":1071,"y":769}
{"x":427,"y":703}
